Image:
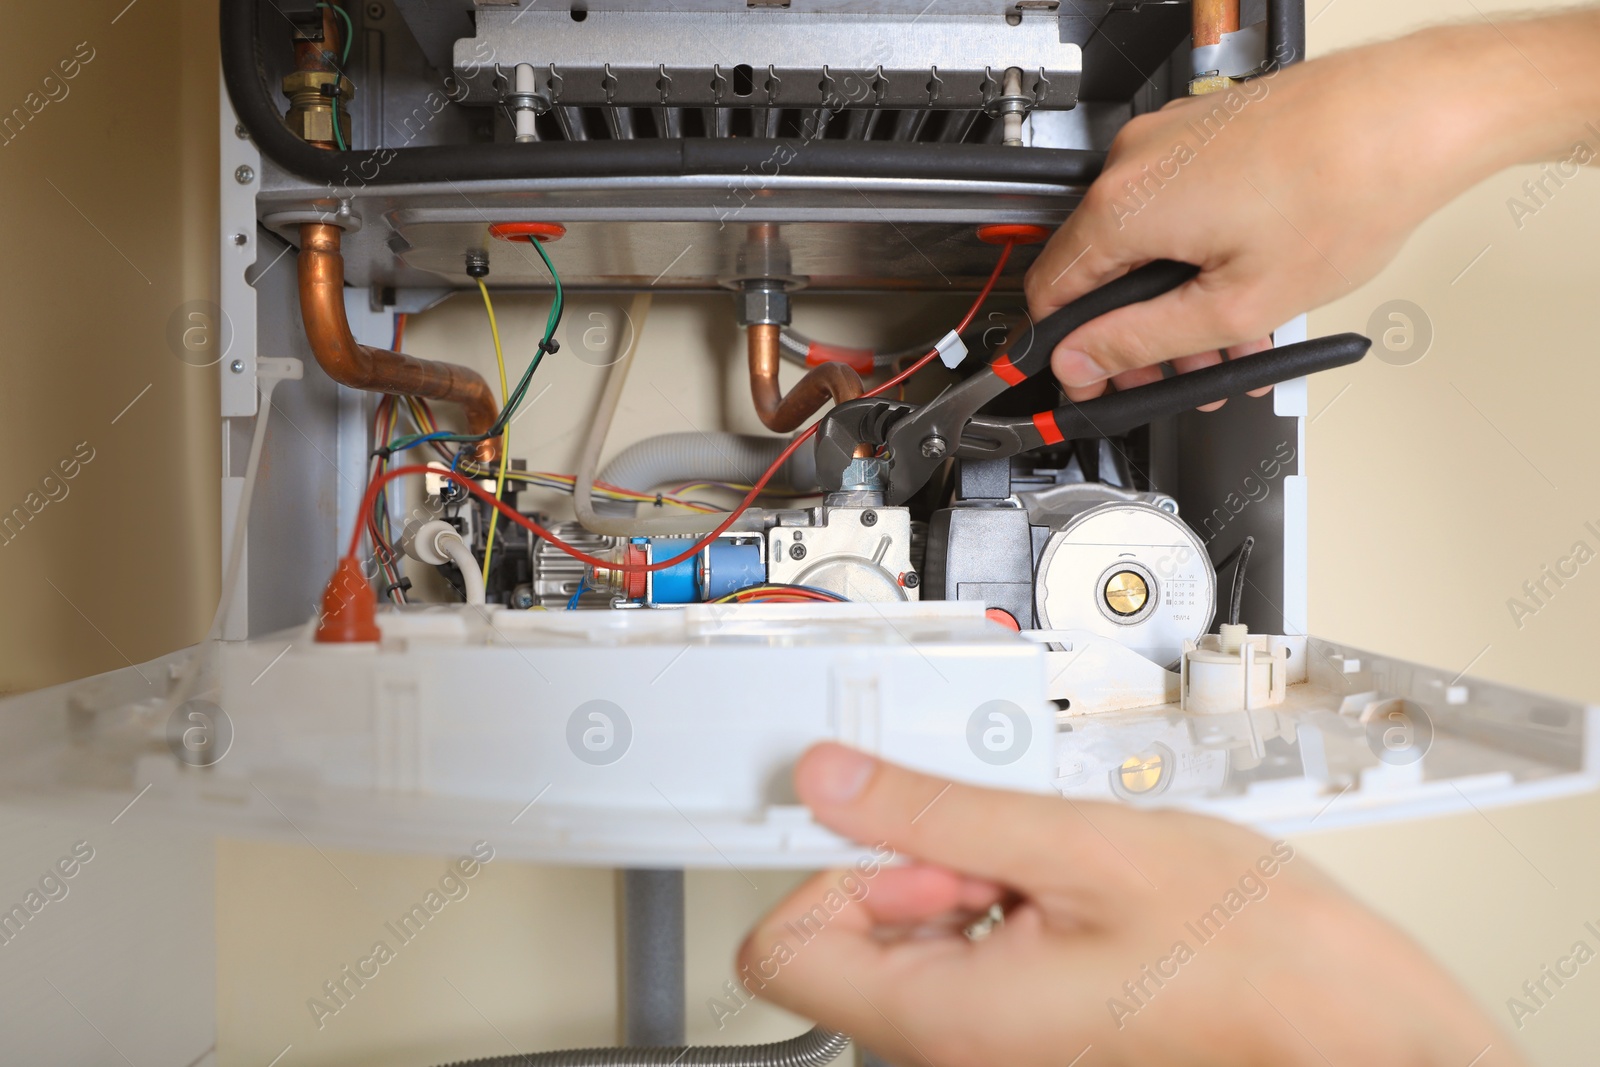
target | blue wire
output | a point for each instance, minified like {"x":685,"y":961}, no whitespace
{"x":424,"y":439}
{"x":583,"y":584}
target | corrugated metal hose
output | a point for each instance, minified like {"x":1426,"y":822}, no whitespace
{"x":814,"y":1048}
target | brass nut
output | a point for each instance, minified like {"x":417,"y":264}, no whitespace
{"x":316,"y":124}
{"x":310,"y":116}
{"x":312,"y":81}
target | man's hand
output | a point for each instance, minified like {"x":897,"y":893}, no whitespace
{"x":1147,"y":938}
{"x":1292,"y":189}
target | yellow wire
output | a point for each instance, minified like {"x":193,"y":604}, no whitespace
{"x":505,"y":438}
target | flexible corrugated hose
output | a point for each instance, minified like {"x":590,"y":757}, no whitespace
{"x":693,"y":456}
{"x":814,"y":1048}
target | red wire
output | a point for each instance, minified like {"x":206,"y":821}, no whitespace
{"x":972,"y":313}
{"x":639,"y":568}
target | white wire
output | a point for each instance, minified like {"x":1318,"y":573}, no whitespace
{"x":183,"y":685}
{"x":241,"y":517}
{"x":471,"y":577}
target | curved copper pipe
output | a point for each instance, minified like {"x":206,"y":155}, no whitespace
{"x":784,"y":413}
{"x":377,"y":369}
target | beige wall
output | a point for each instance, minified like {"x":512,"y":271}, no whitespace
{"x":1437,"y":490}
{"x":108,"y":226}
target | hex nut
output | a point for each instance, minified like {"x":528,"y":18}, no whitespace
{"x":762,"y":306}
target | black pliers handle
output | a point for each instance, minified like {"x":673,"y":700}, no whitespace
{"x":919,"y":437}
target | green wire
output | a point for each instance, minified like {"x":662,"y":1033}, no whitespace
{"x":349,"y":30}
{"x":338,"y":138}
{"x":344,"y":59}
{"x":552,"y":322}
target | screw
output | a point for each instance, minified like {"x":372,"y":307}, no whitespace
{"x":240,"y":132}
{"x":477,"y":264}
{"x":237,"y":366}
{"x":869,"y":518}
{"x":911,"y":580}
{"x":240,"y":239}
{"x":245,"y":174}
{"x":933,"y":447}
{"x":797,"y":551}
{"x":374,"y":11}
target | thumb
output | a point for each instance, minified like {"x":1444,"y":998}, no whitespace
{"x":1010,"y":838}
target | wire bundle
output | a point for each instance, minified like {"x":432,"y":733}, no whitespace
{"x":376,"y":485}
{"x":344,"y":59}
{"x":563,"y":483}
{"x":509,"y":410}
{"x":778,"y":593}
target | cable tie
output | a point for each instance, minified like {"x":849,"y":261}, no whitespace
{"x":952,"y":350}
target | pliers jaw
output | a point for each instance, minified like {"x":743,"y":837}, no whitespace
{"x":852,"y":428}
{"x":916,"y":439}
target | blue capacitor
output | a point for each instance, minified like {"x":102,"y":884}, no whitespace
{"x":730,"y":566}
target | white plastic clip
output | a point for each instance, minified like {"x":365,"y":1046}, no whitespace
{"x":951,"y":350}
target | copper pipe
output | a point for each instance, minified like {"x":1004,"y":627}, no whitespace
{"x":377,"y":369}
{"x":1212,"y":19}
{"x":785,"y":413}
{"x":318,"y":55}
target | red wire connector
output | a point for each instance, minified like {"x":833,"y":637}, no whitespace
{"x":349,"y":606}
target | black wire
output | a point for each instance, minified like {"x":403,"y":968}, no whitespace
{"x":1240,"y":558}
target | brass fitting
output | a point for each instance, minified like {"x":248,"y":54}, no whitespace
{"x":311,"y":105}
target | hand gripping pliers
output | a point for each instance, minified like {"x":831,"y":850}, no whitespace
{"x":915,"y":438}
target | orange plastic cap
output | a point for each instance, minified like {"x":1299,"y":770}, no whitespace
{"x":1003,"y":617}
{"x":516,"y":231}
{"x":1012,"y":233}
{"x":349,"y":606}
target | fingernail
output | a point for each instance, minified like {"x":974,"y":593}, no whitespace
{"x":1078,"y":368}
{"x":839,"y":774}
